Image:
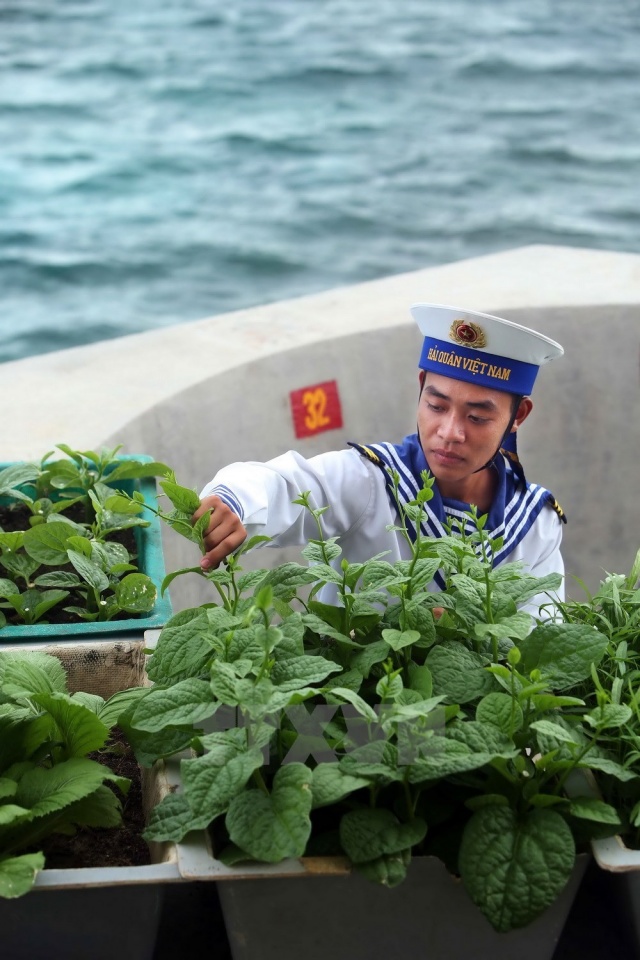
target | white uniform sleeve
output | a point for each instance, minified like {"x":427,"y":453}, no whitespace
{"x":262,"y":494}
{"x":541,"y":553}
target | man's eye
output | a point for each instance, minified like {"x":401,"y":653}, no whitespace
{"x":435,"y":407}
{"x":475,"y":419}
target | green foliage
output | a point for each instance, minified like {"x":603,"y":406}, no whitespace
{"x":75,"y":559}
{"x":612,"y":692}
{"x":48,"y":783}
{"x":377,"y":730}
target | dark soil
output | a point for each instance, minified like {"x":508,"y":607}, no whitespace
{"x":107,"y":847}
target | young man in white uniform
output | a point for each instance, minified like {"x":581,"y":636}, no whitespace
{"x":476,"y":374}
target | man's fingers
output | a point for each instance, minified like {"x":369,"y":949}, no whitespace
{"x":222,"y":548}
{"x":224,"y":532}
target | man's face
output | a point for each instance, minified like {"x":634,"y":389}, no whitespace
{"x":460,"y":426}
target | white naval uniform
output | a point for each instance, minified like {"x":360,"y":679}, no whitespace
{"x":359,"y":510}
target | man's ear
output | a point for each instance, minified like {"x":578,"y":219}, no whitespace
{"x":524,"y":409}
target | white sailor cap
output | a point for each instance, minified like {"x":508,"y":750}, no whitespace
{"x":481,"y":348}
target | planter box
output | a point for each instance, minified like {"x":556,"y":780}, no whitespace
{"x":150,"y":561}
{"x":317,"y":907}
{"x":623,"y":866}
{"x":98,"y":912}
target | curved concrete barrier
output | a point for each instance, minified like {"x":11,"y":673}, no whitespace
{"x":203,"y":394}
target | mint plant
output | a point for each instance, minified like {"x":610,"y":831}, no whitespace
{"x":373,"y":730}
{"x":64,"y":543}
{"x":48,"y":783}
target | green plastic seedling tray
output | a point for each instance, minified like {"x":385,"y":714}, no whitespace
{"x":150,"y":561}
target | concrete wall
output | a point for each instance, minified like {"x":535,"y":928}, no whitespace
{"x":201,"y":395}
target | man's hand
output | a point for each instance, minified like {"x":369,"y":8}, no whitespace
{"x":224,"y":534}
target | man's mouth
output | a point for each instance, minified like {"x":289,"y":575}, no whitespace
{"x":447,"y":457}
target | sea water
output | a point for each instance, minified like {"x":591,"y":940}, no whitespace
{"x":167,"y":160}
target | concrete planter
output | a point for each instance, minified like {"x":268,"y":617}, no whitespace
{"x":150,"y":561}
{"x":98,"y":912}
{"x":318,"y":907}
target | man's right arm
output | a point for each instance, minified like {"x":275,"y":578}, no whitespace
{"x":257,"y":498}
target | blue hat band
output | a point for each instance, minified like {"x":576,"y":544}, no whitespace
{"x":486,"y":369}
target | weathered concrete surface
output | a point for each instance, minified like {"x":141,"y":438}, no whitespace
{"x":203,"y":394}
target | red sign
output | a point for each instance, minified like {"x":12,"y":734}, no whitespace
{"x":316,"y":408}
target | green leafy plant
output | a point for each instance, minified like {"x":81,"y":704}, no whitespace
{"x":66,"y":538}
{"x":48,"y":783}
{"x":612,"y":691}
{"x":374,"y":730}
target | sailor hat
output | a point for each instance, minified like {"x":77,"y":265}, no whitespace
{"x":481,"y":348}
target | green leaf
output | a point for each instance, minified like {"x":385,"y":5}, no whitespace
{"x":136,"y":593}
{"x":330,"y":784}
{"x":8,"y":588}
{"x":369,"y":656}
{"x":170,"y":819}
{"x":501,"y":710}
{"x":102,"y":808}
{"x":563,"y":652}
{"x":420,"y":679}
{"x":18,"y":874}
{"x":590,"y":808}
{"x":46,"y":791}
{"x":297,"y":672}
{"x":182,"y":647}
{"x":514,"y":868}
{"x":24,"y":673}
{"x":47,"y":543}
{"x":609,"y":715}
{"x":515,"y":627}
{"x":185,"y":702}
{"x":369,"y":833}
{"x":558,"y":733}
{"x":458,"y":673}
{"x":90,"y":572}
{"x":398,"y":639}
{"x":210,"y":785}
{"x":274,"y":826}
{"x":80,"y":729}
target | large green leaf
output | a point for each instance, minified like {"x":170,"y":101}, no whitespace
{"x":211,"y":786}
{"x":185,"y":702}
{"x":276,"y":825}
{"x":183,"y":647}
{"x":295,"y":672}
{"x":563,"y":652}
{"x":47,"y":791}
{"x":23,"y":673}
{"x":515,"y":867}
{"x":47,"y":542}
{"x":79,"y":727}
{"x":458,"y":673}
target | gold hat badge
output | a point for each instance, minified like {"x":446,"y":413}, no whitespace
{"x":467,"y":334}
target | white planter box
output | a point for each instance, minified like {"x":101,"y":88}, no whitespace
{"x":317,"y":908}
{"x":97,"y":912}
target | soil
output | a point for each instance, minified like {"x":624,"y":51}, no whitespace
{"x":113,"y":846}
{"x":16,"y":517}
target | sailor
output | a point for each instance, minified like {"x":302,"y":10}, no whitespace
{"x":476,"y":374}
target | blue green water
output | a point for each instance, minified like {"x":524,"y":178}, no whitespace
{"x":165,"y":161}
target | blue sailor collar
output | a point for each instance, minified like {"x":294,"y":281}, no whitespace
{"x":514,"y":509}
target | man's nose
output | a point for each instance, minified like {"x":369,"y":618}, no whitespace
{"x":451,"y":428}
